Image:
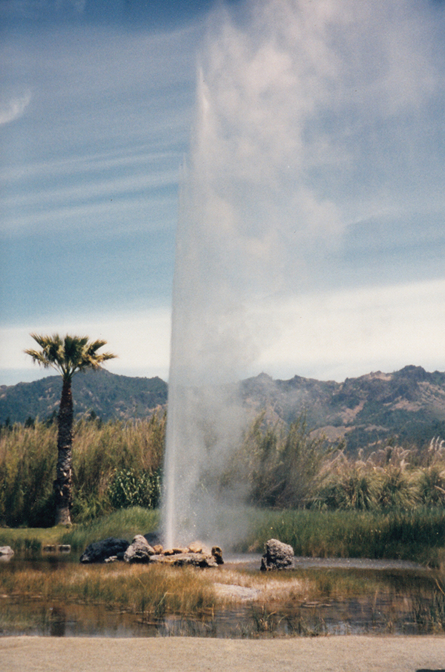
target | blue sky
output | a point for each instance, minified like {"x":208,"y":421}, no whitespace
{"x":97,"y":104}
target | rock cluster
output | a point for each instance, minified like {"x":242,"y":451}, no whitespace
{"x":277,"y":556}
{"x":141,"y":551}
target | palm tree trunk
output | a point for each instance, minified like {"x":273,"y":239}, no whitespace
{"x":63,"y":482}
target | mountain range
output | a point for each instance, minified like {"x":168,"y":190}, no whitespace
{"x":407,"y":406}
{"x":107,"y":394}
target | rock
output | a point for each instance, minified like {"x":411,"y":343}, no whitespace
{"x":181,"y":559}
{"x":99,"y":551}
{"x":64,"y":548}
{"x":49,"y":548}
{"x":195,"y":547}
{"x":217,"y":554}
{"x":158,"y":549}
{"x":6,"y":551}
{"x":153,"y":538}
{"x":139,"y":550}
{"x":175,"y":551}
{"x":277,"y":556}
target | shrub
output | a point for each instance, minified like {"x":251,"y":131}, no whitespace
{"x":134,"y":488}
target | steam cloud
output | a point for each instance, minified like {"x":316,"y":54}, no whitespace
{"x":311,"y":116}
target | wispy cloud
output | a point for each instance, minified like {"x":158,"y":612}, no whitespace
{"x":14,"y":108}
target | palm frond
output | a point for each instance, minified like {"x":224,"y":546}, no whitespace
{"x":69,"y":354}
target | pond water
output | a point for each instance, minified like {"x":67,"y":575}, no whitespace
{"x":346,"y":597}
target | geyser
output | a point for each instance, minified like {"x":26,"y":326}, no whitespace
{"x":310,"y":120}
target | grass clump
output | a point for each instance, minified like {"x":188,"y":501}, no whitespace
{"x":152,"y":590}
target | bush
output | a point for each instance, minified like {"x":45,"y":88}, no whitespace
{"x":133,"y":488}
{"x":282,"y":463}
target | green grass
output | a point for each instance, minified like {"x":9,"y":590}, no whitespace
{"x":417,"y":535}
{"x":125,"y":524}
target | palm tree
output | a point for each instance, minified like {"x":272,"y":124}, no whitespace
{"x":68,"y":356}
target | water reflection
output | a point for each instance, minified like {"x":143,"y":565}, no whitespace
{"x":342,"y":600}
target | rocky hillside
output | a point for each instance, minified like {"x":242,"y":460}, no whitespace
{"x":108,"y":395}
{"x":405,"y":406}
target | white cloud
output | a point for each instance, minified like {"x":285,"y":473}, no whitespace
{"x":141,"y":341}
{"x":14,"y":108}
{"x":334,"y":335}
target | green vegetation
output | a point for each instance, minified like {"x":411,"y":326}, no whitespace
{"x":301,"y":490}
{"x":124,"y":524}
{"x":417,"y":535}
{"x":68,"y":356}
{"x":280,"y":463}
{"x":105,"y":458}
{"x":104,"y":394}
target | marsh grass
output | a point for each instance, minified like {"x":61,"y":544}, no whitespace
{"x":104,"y":454}
{"x":417,"y":535}
{"x":183,"y":601}
{"x":124,"y":523}
{"x":152,"y":591}
{"x":429,"y":615}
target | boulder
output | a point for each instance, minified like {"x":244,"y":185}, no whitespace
{"x":6,"y":551}
{"x":153,"y":538}
{"x":277,"y":556}
{"x":99,"y":551}
{"x":195,"y":547}
{"x":139,"y":550}
{"x":217,"y":554}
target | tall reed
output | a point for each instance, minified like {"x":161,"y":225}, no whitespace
{"x":102,"y":455}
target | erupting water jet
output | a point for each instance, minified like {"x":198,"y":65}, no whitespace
{"x":307,"y":123}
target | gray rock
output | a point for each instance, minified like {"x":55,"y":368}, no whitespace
{"x":139,"y":550}
{"x":154,"y":538}
{"x":99,"y":551}
{"x":6,"y":551}
{"x":277,"y":556}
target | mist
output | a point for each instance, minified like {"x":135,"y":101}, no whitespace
{"x":314,"y":120}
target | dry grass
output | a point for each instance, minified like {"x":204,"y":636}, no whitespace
{"x":147,"y":590}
